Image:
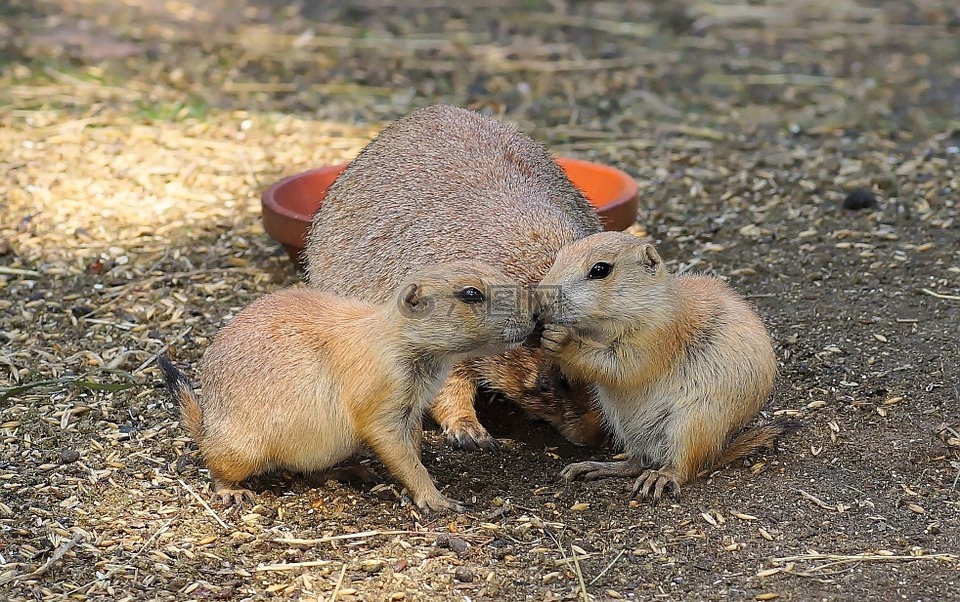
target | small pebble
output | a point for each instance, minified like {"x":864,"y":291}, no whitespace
{"x":859,"y":198}
{"x":80,"y":310}
{"x":463,"y":574}
{"x":459,"y":546}
{"x":500,"y":549}
{"x":372,"y":566}
{"x":69,"y":456}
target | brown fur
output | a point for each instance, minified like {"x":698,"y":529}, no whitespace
{"x":300,"y":379}
{"x":681,"y":363}
{"x":754,"y":439}
{"x":446,"y":183}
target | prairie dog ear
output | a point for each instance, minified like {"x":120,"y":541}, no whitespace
{"x":648,"y":257}
{"x":413,"y":300}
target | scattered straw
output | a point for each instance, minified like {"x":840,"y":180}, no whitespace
{"x":608,"y":567}
{"x":839,"y":559}
{"x":205,"y":505}
{"x":816,"y":500}
{"x":936,"y":295}
{"x":7,"y":271}
{"x":336,"y":587}
{"x":576,"y":568}
{"x":362,"y":535}
{"x":292,"y":566}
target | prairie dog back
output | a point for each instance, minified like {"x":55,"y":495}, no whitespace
{"x":441,"y":184}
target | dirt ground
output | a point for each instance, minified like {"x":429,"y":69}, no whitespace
{"x":136,"y":138}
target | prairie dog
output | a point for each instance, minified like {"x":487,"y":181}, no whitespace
{"x":680,"y":363}
{"x":445,"y":183}
{"x":299,"y":379}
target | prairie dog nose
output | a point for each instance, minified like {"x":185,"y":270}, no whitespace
{"x":543,"y":301}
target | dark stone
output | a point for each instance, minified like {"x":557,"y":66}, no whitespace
{"x":69,"y":456}
{"x":463,"y":574}
{"x":859,"y":198}
{"x":80,"y":310}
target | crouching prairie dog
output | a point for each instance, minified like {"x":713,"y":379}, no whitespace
{"x":444,"y":183}
{"x":680,"y":363}
{"x":300,"y":379}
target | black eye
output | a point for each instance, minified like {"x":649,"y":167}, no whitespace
{"x":470,"y":295}
{"x":599,"y":271}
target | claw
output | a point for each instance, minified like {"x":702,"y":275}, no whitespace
{"x":438,"y":503}
{"x":576,"y":470}
{"x":228,"y":497}
{"x":651,"y":485}
{"x":591,"y":471}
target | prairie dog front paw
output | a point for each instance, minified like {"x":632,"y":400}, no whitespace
{"x":554,"y":338}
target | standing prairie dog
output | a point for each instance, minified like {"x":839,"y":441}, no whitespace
{"x":681,"y":363}
{"x":299,"y":379}
{"x":445,"y":183}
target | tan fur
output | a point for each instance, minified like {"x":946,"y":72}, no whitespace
{"x":445,"y":183}
{"x":301,"y":379}
{"x":681,"y":362}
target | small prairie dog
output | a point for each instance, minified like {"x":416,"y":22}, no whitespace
{"x":445,"y":183}
{"x":680,"y":363}
{"x":300,"y":379}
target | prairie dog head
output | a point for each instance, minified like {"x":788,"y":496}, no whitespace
{"x":465,"y":308}
{"x":606,"y":284}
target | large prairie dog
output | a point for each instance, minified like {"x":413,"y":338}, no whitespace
{"x":681,"y":363}
{"x":445,"y":183}
{"x":299,"y":379}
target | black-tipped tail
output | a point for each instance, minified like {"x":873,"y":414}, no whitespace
{"x":173,"y":378}
{"x":763,"y":436}
{"x":181,"y":391}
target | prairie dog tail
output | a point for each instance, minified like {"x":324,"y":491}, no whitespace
{"x":181,"y":391}
{"x":759,"y":437}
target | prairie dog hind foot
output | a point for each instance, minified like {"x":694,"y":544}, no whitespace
{"x":652,"y":484}
{"x":591,"y":471}
{"x":231,"y":495}
{"x":437,"y":503}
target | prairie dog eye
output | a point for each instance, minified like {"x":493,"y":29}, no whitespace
{"x":599,"y":271}
{"x":470,"y":295}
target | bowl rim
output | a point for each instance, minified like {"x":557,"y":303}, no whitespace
{"x":269,"y":196}
{"x":630,"y":187}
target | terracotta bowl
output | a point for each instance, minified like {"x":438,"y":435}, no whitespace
{"x":289,"y":204}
